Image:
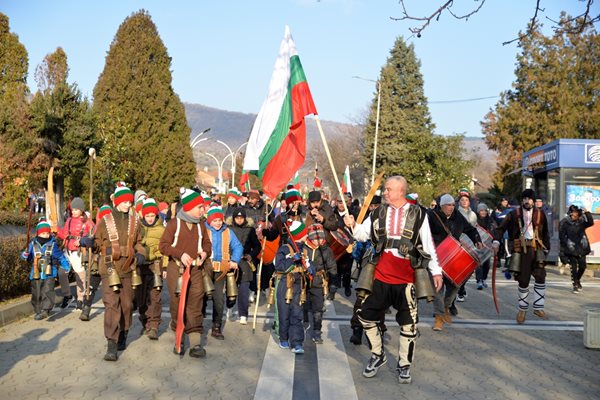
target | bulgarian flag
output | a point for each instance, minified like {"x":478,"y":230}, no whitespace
{"x":317,"y":183}
{"x":244,"y":182}
{"x":296,"y":181}
{"x":277,"y":144}
{"x":346,"y":183}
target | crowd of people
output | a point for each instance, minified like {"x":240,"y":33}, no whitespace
{"x":206,"y":249}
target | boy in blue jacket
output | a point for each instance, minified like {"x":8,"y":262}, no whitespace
{"x":44,"y":255}
{"x":227,"y":252}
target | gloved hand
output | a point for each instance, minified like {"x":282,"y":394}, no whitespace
{"x":139,"y":259}
{"x":86,"y":241}
{"x":25,"y":255}
{"x":311,"y":270}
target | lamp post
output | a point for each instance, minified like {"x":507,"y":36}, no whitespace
{"x":92,"y":154}
{"x":193,"y":142}
{"x":219,"y":172}
{"x":378,"y":85}
{"x":233,"y":160}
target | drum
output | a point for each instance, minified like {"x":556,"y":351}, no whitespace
{"x":340,"y":243}
{"x":484,"y":254}
{"x":457,"y":261}
{"x":270,"y":251}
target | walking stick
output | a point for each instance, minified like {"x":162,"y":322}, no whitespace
{"x":259,"y":274}
{"x":88,"y":270}
{"x":258,"y":278}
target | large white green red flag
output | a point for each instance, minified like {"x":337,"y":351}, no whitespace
{"x":277,"y":145}
{"x":346,"y":183}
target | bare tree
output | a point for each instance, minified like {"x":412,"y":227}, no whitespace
{"x":585,"y":18}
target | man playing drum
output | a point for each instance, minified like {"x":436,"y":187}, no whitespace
{"x":401,"y":238}
{"x":444,"y":222}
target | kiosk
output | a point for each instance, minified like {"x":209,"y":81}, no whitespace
{"x":565,"y":172}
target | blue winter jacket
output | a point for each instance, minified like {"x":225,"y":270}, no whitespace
{"x":236,"y":249}
{"x":56,"y":257}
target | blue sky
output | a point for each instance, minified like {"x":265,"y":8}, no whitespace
{"x":223,"y":52}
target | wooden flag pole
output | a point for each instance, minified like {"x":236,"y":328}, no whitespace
{"x":337,"y":181}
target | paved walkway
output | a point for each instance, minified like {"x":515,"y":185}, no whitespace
{"x":481,"y":356}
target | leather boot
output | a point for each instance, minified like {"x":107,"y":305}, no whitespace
{"x":196,"y":349}
{"x":216,"y":332}
{"x":447,"y":317}
{"x":122,"y":343}
{"x":111,"y":351}
{"x":85,"y":313}
{"x":356,"y":337}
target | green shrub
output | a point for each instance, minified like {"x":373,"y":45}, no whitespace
{"x":14,"y":272}
{"x":16,"y":218}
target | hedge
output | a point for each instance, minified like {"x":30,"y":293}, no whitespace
{"x":20,"y":219}
{"x":14,"y":272}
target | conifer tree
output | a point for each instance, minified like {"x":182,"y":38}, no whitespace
{"x":406,"y":143}
{"x":63,"y":125}
{"x":555,"y":95}
{"x":16,"y":137}
{"x":135,"y":102}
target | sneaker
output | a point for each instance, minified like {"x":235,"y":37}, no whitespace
{"x":284,"y":344}
{"x":317,"y":339}
{"x":65,"y":301}
{"x":233,"y":316}
{"x":375,"y":362}
{"x":197,"y":351}
{"x":403,"y":374}
{"x":347,"y":292}
{"x":579,"y":286}
{"x":575,"y":288}
{"x":485,"y":285}
{"x":298,"y":349}
{"x":243,"y":320}
{"x":479,"y":286}
{"x":460,"y":298}
{"x":251,"y":298}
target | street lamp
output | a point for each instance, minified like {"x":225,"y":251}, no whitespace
{"x":378,"y":85}
{"x":219,"y":172}
{"x":233,"y":160}
{"x":193,"y":142}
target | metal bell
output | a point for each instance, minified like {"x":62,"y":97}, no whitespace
{"x":515,"y":263}
{"x":232,"y":289}
{"x":355,"y":272}
{"x":158,"y":282}
{"x":289,"y":295}
{"x":48,"y":269}
{"x":423,"y":287}
{"x":178,"y":285}
{"x":136,"y":279}
{"x":113,"y":280}
{"x":364,"y":286}
{"x":325,"y":288}
{"x":302,"y":296}
{"x":271,"y":297}
{"x":209,"y":286}
{"x":36,"y":271}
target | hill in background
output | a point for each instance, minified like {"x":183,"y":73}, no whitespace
{"x":234,"y":129}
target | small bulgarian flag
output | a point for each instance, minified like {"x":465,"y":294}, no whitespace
{"x":317,"y":183}
{"x":277,"y":144}
{"x":244,"y":183}
{"x":296,"y":181}
{"x":346,"y":183}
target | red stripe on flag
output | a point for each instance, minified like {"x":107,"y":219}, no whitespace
{"x":292,"y":153}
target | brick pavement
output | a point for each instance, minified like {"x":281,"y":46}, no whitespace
{"x":61,"y":358}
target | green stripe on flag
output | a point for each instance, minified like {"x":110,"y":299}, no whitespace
{"x":284,"y":121}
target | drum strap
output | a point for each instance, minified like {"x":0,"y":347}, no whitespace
{"x":406,"y":243}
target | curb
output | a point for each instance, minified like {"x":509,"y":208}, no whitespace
{"x":15,"y":312}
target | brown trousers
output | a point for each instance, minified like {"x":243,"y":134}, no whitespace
{"x":194,"y":300}
{"x":149,"y":302}
{"x":118,"y":307}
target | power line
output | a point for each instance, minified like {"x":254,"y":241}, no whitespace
{"x":463,"y":100}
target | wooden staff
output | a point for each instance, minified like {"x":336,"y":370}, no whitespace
{"x":259,"y":273}
{"x":337,"y":182}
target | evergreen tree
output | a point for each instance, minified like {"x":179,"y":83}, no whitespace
{"x":555,"y":95}
{"x":406,"y":144}
{"x":63,"y":124}
{"x":135,"y":102}
{"x":16,"y":137}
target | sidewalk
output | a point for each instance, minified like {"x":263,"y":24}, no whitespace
{"x":481,"y":356}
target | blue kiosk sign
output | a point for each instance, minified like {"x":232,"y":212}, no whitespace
{"x":565,"y":172}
